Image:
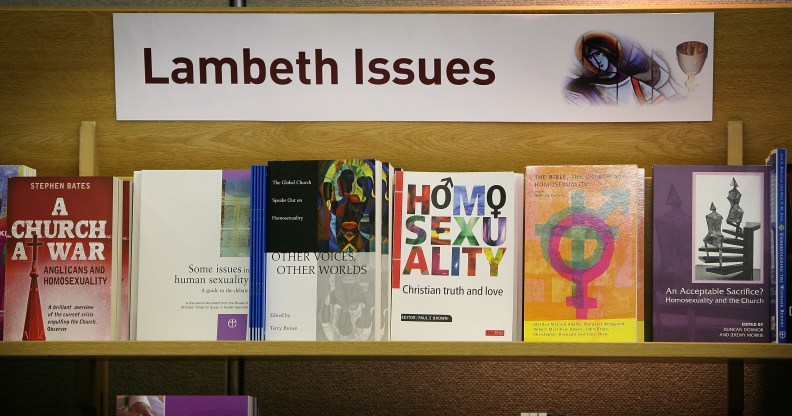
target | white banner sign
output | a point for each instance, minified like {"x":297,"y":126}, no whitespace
{"x":414,"y":67}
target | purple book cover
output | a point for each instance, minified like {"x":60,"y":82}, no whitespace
{"x":178,"y":405}
{"x":208,"y":405}
{"x":711,"y":254}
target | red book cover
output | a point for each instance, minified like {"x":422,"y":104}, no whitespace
{"x":61,"y":267}
{"x":7,"y":171}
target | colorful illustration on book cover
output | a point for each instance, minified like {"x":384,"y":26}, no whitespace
{"x":346,"y":230}
{"x":346,"y":206}
{"x":612,"y":70}
{"x":580,"y":254}
{"x":727,"y":246}
{"x":235,"y":214}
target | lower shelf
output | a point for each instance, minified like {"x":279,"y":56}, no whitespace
{"x":395,"y":350}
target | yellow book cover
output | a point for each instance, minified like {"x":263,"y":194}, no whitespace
{"x":582,"y":253}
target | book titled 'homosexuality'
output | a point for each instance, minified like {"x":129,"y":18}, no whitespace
{"x":457,"y":246}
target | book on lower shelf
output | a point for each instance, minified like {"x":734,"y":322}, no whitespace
{"x":63,"y":259}
{"x":324,"y":251}
{"x":457,"y":244}
{"x":583,"y":253}
{"x":191,"y":254}
{"x":7,"y":171}
{"x":186,"y":405}
{"x":711,"y":265}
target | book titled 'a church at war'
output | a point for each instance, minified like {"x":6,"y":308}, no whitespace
{"x":62,"y":258}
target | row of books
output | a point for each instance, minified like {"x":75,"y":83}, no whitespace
{"x":356,"y":249}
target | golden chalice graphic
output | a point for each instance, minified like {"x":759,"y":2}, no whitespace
{"x":691,"y":56}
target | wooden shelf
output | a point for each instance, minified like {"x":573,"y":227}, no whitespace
{"x":396,"y":350}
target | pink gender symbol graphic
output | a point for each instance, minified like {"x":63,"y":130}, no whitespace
{"x":581,"y":277}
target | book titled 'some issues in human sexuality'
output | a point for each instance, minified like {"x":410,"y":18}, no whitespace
{"x":457,"y":249}
{"x":711,"y":265}
{"x":192,"y":245}
{"x":582,"y":253}
{"x":324,"y":250}
{"x":63,"y":258}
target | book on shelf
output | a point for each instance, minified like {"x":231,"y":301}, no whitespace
{"x":258,"y":252}
{"x":7,"y":171}
{"x":641,"y":252}
{"x":324,"y":250}
{"x":583,"y":253}
{"x":191,"y":248}
{"x":134,"y":248}
{"x":63,"y":258}
{"x":789,"y":253}
{"x":183,"y":405}
{"x":126,"y":251}
{"x":777,"y":161}
{"x":386,"y":227}
{"x":711,"y":265}
{"x":457,"y":245}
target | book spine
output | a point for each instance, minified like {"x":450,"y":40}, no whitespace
{"x":397,"y":220}
{"x":781,"y":265}
{"x":258,"y":251}
{"x":776,"y":161}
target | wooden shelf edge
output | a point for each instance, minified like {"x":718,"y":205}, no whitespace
{"x":581,"y":8}
{"x":393,"y":349}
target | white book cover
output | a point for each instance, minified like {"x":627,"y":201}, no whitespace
{"x":456,"y":256}
{"x":193,"y":254}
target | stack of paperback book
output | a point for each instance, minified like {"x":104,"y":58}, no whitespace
{"x":583,"y":253}
{"x":457,"y":245}
{"x":712,"y":253}
{"x":326,"y":250}
{"x":63,"y":259}
{"x":190,"y":255}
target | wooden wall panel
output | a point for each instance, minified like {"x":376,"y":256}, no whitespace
{"x":56,"y":68}
{"x":386,"y":388}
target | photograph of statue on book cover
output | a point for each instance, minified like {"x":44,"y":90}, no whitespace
{"x":727,"y":219}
